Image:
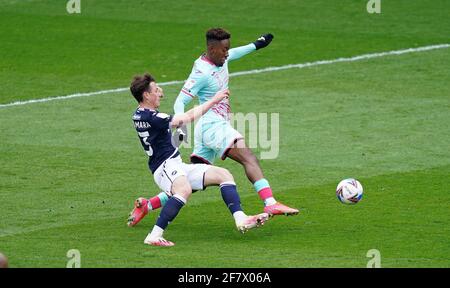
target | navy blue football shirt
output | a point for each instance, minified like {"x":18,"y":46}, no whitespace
{"x":154,"y":132}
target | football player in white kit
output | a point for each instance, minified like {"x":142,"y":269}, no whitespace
{"x":174,"y":177}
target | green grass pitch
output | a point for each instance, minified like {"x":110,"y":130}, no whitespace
{"x":71,"y":169}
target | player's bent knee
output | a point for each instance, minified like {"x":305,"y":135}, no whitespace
{"x":217,"y":175}
{"x":224,"y":175}
{"x":243,"y":155}
{"x":185,"y":192}
{"x":182,"y":187}
{"x":248,"y":158}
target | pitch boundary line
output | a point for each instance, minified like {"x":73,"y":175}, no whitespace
{"x":248,"y":72}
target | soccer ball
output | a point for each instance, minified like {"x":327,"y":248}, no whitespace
{"x":349,"y":191}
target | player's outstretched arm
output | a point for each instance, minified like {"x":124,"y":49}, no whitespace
{"x":197,"y":112}
{"x":181,"y":101}
{"x":191,"y":87}
{"x":261,"y":42}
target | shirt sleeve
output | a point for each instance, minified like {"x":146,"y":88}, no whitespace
{"x":161,"y":121}
{"x":238,"y":52}
{"x":196,"y":82}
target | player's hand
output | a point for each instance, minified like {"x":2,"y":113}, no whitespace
{"x":221,"y":95}
{"x":263,"y":41}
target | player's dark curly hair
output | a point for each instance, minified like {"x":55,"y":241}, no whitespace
{"x":139,"y":85}
{"x":216,"y":34}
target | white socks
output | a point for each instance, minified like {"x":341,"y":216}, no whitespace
{"x":239,"y":216}
{"x":156,"y":233}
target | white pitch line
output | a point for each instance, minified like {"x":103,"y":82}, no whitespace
{"x":255,"y":71}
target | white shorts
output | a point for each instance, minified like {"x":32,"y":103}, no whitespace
{"x":173,"y":168}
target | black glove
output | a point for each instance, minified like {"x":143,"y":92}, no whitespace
{"x":263,"y":41}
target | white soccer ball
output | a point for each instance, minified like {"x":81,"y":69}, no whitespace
{"x":349,"y":191}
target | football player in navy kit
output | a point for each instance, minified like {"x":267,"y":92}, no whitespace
{"x":174,"y":177}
